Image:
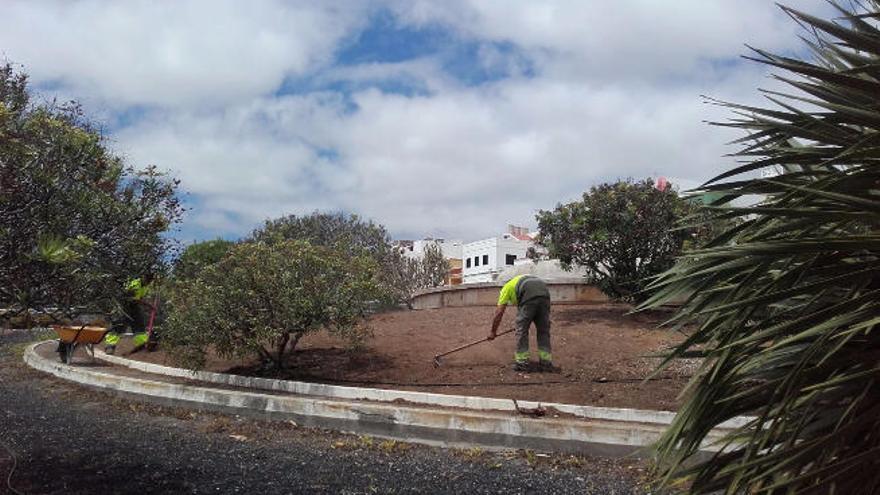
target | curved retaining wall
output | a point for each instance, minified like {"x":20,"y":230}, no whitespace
{"x":598,"y":431}
{"x":390,"y":395}
{"x":486,"y":294}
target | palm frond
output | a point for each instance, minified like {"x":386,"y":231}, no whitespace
{"x":788,"y":300}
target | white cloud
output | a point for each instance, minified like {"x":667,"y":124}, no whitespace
{"x":458,"y":164}
{"x":243,"y":163}
{"x":614,"y":40}
{"x":616,"y":94}
{"x":172,"y":53}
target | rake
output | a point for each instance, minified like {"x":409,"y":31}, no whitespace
{"x":484,"y":339}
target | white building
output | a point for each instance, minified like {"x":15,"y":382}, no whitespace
{"x":483,"y":260}
{"x":416,"y":249}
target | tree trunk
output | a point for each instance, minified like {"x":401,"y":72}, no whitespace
{"x":293,"y":341}
{"x":281,"y":347}
{"x":265,"y":356}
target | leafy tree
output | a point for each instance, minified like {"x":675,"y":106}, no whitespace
{"x":622,"y":233}
{"x":434,"y":267}
{"x":398,"y":276}
{"x":75,"y":221}
{"x":198,"y":255}
{"x":348,"y":233}
{"x":260,"y":299}
{"x":404,"y":276}
{"x":787,"y":301}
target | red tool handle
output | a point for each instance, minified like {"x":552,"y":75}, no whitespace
{"x":153,"y":308}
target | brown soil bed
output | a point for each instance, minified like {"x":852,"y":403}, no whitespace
{"x":603,"y":351}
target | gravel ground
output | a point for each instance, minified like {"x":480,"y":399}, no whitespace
{"x":62,"y":438}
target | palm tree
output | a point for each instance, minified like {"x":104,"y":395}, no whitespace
{"x":786,"y":301}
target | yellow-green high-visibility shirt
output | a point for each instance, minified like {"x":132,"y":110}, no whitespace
{"x":522,"y":289}
{"x":137,"y":288}
{"x":508,"y":292}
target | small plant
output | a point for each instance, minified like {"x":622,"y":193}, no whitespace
{"x":388,"y":446}
{"x":372,"y":488}
{"x":365,"y":441}
{"x":472,"y":453}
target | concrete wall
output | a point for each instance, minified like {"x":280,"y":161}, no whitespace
{"x":548,"y":270}
{"x":486,"y":294}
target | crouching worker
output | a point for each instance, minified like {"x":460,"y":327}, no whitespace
{"x":529,"y":293}
{"x":130,"y":315}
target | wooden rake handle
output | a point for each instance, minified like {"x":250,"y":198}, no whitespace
{"x":484,"y":339}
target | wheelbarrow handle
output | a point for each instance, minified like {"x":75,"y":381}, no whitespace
{"x":485,"y":339}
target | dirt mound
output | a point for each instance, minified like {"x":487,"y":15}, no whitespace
{"x":604,"y":354}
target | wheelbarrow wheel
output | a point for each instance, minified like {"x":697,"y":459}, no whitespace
{"x":68,"y":353}
{"x":62,"y":352}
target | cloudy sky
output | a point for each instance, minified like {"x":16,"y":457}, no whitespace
{"x":446,"y":118}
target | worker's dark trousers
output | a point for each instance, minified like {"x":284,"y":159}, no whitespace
{"x":132,"y":316}
{"x":538,"y":311}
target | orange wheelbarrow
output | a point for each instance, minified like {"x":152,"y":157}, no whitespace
{"x":72,"y":336}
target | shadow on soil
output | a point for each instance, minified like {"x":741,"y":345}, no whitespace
{"x":319,"y":365}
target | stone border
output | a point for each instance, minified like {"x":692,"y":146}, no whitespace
{"x":402,"y":421}
{"x":390,"y":395}
{"x":384,"y":395}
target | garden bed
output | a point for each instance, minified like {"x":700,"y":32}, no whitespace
{"x":603,"y":351}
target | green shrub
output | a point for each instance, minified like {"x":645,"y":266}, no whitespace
{"x":199,"y":255}
{"x":621,"y":233}
{"x":260,"y":299}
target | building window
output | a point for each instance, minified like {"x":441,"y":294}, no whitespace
{"x":476,"y":261}
{"x":468,"y":263}
{"x":485,"y":259}
{"x":510,"y":259}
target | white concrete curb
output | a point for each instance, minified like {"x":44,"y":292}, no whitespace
{"x":493,"y":428}
{"x":386,"y":395}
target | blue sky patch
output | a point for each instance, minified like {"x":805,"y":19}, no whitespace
{"x":385,"y":41}
{"x":474,"y":63}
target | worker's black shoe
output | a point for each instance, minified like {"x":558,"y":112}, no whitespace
{"x":547,"y":367}
{"x":524,"y":366}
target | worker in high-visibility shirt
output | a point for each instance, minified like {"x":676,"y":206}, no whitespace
{"x":131,"y":315}
{"x":529,"y":293}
